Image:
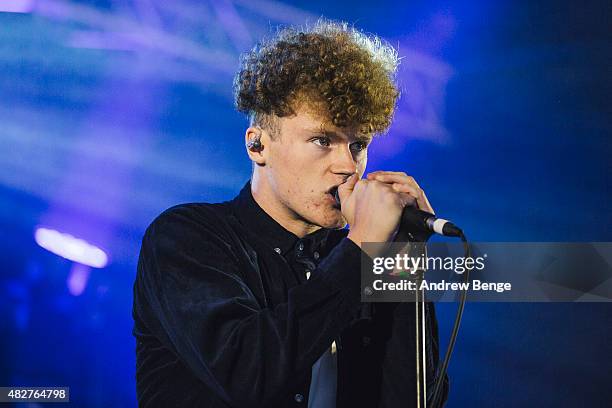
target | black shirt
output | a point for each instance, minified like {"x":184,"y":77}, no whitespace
{"x":225,"y":317}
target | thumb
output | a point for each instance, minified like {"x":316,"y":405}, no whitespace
{"x":346,"y":189}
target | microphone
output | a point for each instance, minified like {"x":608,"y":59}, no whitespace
{"x":413,"y":218}
{"x":426,"y":221}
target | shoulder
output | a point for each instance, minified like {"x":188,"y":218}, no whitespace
{"x":187,"y":240}
{"x":191,"y":212}
{"x":189,"y":222}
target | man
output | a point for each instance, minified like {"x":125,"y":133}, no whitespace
{"x":255,"y":302}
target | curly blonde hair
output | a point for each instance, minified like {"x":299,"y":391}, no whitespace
{"x":349,"y":73}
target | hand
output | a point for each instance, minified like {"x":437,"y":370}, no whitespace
{"x":403,"y":183}
{"x":372,"y":208}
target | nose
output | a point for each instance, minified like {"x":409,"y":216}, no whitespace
{"x":343,"y":161}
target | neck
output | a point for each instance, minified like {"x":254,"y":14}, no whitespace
{"x":266,"y":198}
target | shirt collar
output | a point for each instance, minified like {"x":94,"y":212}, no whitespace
{"x":254,"y":218}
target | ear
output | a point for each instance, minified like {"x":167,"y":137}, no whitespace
{"x":258,"y":152}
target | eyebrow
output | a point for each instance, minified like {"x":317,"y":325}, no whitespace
{"x":333,"y":134}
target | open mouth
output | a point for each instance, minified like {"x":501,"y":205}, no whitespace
{"x":334,"y":194}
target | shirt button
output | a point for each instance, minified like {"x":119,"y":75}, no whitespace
{"x":307,"y":273}
{"x":301,"y":246}
{"x":298,"y":398}
{"x":316,"y":255}
{"x":278,"y":250}
{"x":366,"y":340}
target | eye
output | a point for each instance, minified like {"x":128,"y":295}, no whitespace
{"x":358,"y":146}
{"x":322,"y":141}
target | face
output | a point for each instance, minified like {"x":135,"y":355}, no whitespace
{"x":308,"y":158}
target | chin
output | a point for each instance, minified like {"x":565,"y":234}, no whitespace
{"x":333,"y":220}
{"x":340,"y":225}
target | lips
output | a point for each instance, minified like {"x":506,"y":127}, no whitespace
{"x":333,"y":192}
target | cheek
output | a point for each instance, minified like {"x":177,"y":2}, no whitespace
{"x":296,"y":167}
{"x":298,"y":174}
{"x":290,"y":157}
{"x":289,"y":176}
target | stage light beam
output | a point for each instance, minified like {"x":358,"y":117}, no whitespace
{"x":70,"y":247}
{"x":16,"y":6}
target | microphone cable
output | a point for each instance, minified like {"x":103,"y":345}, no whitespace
{"x":437,"y":392}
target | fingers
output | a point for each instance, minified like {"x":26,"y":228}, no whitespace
{"x":407,"y":199}
{"x":345,"y":189}
{"x":406,"y":188}
{"x":393,"y":176}
{"x":403,"y":183}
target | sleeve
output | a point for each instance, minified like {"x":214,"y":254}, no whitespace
{"x":248,"y":355}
